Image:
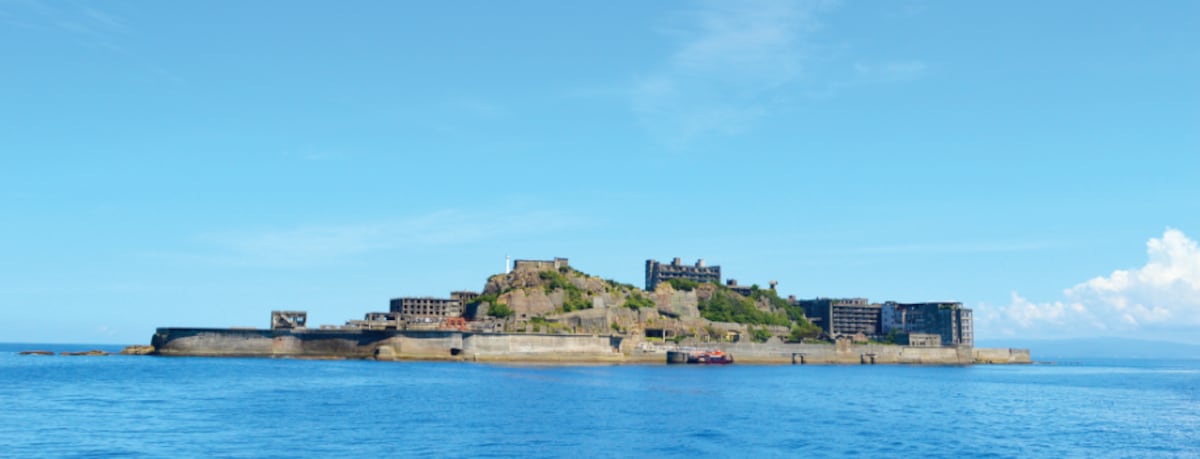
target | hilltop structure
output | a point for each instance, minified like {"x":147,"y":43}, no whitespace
{"x":658,"y":272}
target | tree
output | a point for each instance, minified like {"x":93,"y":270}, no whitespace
{"x":500,"y":311}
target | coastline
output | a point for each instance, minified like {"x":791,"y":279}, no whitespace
{"x":533,"y":348}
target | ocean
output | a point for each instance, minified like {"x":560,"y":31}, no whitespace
{"x":139,"y":406}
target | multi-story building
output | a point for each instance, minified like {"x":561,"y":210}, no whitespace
{"x":954,"y":323}
{"x":843,"y":316}
{"x":463,"y":296}
{"x":426,"y":307}
{"x":659,"y":272}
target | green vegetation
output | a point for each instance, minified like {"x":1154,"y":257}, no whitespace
{"x":489,"y":299}
{"x":727,"y":306}
{"x":804,"y":331}
{"x":575,"y":299}
{"x":500,"y":310}
{"x":556,"y":280}
{"x":637,"y":301}
{"x":683,"y":285}
{"x":760,"y":335}
{"x":619,"y":286}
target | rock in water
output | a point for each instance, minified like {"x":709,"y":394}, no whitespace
{"x":89,"y":353}
{"x":36,"y":353}
{"x":138,"y":349}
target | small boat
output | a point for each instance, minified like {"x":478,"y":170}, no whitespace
{"x":710,"y":357}
{"x":699,"y":356}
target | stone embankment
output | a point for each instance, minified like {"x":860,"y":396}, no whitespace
{"x":532,"y":347}
{"x":387,"y":345}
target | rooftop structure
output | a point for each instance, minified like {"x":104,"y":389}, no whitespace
{"x":745,"y":290}
{"x":659,"y":272}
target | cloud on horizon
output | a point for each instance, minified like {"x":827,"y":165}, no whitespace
{"x":1161,"y":299}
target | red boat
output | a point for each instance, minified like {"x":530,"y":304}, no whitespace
{"x":699,"y":356}
{"x":710,"y":357}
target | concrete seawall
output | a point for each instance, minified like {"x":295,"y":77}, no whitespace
{"x":499,"y":347}
{"x":384,"y":345}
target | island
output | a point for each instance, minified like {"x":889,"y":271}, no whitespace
{"x":546,"y":311}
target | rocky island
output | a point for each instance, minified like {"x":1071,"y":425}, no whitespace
{"x":548,"y":311}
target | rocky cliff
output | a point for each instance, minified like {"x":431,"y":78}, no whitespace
{"x":565,"y":300}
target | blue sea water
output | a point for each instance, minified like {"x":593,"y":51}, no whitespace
{"x":136,"y":406}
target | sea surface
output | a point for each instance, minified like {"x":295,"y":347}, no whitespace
{"x":138,"y":406}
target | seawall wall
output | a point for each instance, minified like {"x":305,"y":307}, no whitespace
{"x":499,"y":347}
{"x":383,"y":345}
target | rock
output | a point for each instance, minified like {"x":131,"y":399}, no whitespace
{"x":138,"y":349}
{"x":93,"y":352}
{"x":385,"y":353}
{"x":36,"y":353}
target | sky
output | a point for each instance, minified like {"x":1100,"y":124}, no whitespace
{"x":201,"y":164}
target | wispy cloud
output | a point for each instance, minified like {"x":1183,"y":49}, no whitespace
{"x":1161,"y":298}
{"x":313,"y":244}
{"x":89,"y":26}
{"x":738,"y":62}
{"x":730,"y":61}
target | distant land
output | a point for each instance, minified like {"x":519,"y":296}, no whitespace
{"x":1101,"y":347}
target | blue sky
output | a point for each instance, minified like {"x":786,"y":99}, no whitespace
{"x":170,"y":164}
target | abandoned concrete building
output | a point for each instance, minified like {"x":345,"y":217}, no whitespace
{"x":745,"y":290}
{"x":658,"y":272}
{"x":464,"y":296}
{"x":289,"y":320}
{"x":426,"y":307}
{"x":540,"y":265}
{"x":843,"y":316}
{"x":949,"y":320}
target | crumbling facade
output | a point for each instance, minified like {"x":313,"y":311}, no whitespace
{"x":426,"y":307}
{"x":540,"y":265}
{"x":843,"y":316}
{"x":951,"y":321}
{"x":659,"y":272}
{"x":289,"y":320}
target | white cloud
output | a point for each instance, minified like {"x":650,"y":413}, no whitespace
{"x":737,"y":62}
{"x":730,"y":61}
{"x":1159,"y":299}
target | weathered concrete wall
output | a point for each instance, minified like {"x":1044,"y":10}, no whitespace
{"x":455,"y":345}
{"x":384,"y":345}
{"x":1002,"y":355}
{"x":266,"y":343}
{"x":845,"y":354}
{"x":533,"y":347}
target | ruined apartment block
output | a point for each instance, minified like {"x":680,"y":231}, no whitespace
{"x":658,"y":272}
